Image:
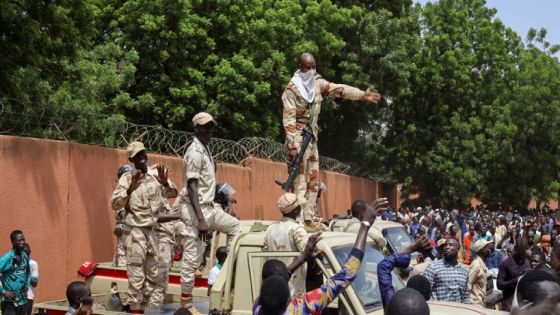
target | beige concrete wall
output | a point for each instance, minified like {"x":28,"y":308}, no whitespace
{"x":58,"y":194}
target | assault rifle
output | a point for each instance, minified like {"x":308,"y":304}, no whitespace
{"x":296,"y":164}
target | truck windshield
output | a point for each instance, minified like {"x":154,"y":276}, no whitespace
{"x":397,"y":238}
{"x":365,"y":285}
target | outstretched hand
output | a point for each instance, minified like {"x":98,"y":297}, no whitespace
{"x":374,"y":208}
{"x":310,"y":252}
{"x":421,"y":244}
{"x":370,"y":96}
{"x":163,"y":174}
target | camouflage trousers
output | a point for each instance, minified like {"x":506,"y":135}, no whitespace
{"x":307,"y":182}
{"x":165,"y":262}
{"x":142,"y":268}
{"x":217,"y":220}
{"x":119,"y":258}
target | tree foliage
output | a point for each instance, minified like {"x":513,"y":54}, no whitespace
{"x":470,"y":110}
{"x":477,"y":125}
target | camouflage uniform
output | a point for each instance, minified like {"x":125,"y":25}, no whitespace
{"x":288,"y":236}
{"x":299,"y":114}
{"x":167,"y":233}
{"x":199,"y":165}
{"x":353,"y":226}
{"x":119,"y":258}
{"x":141,"y":241}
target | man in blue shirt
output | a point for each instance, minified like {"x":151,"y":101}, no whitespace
{"x":414,"y":227}
{"x":399,"y":260}
{"x":16,"y":277}
{"x":495,"y":259}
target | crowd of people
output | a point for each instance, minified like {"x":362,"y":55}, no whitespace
{"x":472,"y":248}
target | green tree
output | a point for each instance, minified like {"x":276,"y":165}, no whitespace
{"x":36,"y":39}
{"x":526,"y":159}
{"x":437,"y":144}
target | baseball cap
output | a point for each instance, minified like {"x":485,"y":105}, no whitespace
{"x":202,"y":118}
{"x":135,"y":147}
{"x":289,"y":201}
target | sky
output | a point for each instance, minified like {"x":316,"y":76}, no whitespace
{"x":520,"y":15}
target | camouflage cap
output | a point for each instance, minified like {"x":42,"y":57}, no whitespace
{"x":202,"y":118}
{"x":134,"y":147}
{"x":289,"y":201}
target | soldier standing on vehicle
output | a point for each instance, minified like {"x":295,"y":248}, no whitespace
{"x":119,"y":258}
{"x":288,"y":235}
{"x":143,"y":193}
{"x":199,"y":212}
{"x":302,"y":104}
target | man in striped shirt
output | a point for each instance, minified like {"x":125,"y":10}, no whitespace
{"x":449,"y":279}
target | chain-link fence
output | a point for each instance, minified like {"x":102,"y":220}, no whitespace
{"x":84,"y":126}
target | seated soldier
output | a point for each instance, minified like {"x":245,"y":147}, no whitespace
{"x":353,"y":225}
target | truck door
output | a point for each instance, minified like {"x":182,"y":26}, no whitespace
{"x":257,"y":260}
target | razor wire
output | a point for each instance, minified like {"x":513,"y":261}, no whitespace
{"x":83,"y":126}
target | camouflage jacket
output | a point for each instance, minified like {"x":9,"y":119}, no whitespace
{"x":298,"y":113}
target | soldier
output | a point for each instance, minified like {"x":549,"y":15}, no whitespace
{"x":289,"y":236}
{"x":302,"y":104}
{"x":143,"y":193}
{"x":199,"y":212}
{"x":359,"y":207}
{"x":119,"y":258}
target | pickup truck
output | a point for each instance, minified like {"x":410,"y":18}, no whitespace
{"x":239,"y":281}
{"x":103,"y":278}
{"x":242,"y":273}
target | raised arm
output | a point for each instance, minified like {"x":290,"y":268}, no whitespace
{"x":332,"y":287}
{"x":308,"y":254}
{"x":347,"y":92}
{"x":396,"y":260}
{"x":169,"y":188}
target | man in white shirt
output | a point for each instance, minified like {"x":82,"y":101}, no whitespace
{"x":34,"y":271}
{"x":221,"y":255}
